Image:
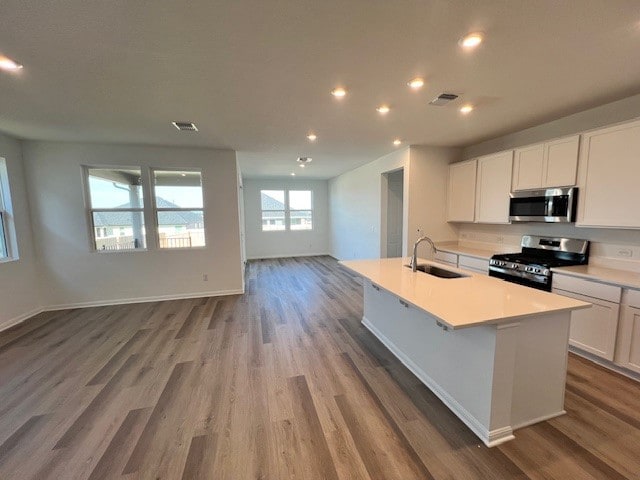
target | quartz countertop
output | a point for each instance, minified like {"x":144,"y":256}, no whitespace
{"x":623,"y":278}
{"x":469,"y":251}
{"x":470,"y":301}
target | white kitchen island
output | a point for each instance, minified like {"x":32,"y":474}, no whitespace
{"x":494,"y":352}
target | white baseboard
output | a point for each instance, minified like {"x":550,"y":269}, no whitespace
{"x":120,"y":301}
{"x":20,"y":318}
{"x":267,"y":257}
{"x":605,"y":363}
{"x":543,"y":418}
{"x":491,"y":438}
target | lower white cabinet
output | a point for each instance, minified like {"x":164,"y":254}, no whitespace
{"x":593,"y":329}
{"x":628,"y":349}
{"x":477,"y":265}
{"x":447,"y":258}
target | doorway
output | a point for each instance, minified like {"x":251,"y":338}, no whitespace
{"x":394,"y":208}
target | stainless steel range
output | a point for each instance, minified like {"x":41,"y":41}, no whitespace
{"x":532,"y":266}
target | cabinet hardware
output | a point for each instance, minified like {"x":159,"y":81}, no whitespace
{"x":403,"y":303}
{"x":375,"y":287}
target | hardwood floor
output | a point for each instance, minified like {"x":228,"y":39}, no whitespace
{"x":280,"y":383}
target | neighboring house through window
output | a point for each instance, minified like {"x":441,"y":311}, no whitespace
{"x":286,"y":210}
{"x":117,"y":208}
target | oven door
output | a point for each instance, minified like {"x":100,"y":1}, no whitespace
{"x":541,"y":282}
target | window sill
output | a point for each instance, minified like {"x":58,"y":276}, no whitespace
{"x":9,"y":260}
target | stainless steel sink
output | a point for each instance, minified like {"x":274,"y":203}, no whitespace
{"x":437,"y":271}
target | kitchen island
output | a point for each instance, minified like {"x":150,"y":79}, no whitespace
{"x":494,"y":352}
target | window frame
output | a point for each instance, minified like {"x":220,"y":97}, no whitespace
{"x":89,"y":210}
{"x":155,"y":209}
{"x":287,"y":210}
{"x":7,"y":219}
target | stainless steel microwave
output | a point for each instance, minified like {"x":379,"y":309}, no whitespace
{"x":551,"y":205}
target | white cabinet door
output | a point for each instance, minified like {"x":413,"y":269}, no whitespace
{"x":594,"y":329}
{"x":560,"y":162}
{"x":628,"y":355}
{"x":527,"y":167}
{"x":461,"y":196}
{"x":609,"y":177}
{"x":493,"y":186}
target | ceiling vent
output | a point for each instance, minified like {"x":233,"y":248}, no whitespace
{"x":185,"y":126}
{"x":443,"y":99}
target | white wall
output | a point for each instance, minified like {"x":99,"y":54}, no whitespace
{"x":355,"y":206}
{"x":19,"y":282}
{"x":285,"y":243}
{"x":428,"y":181}
{"x":74,"y":275}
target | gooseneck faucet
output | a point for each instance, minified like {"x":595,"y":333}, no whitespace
{"x":414,"y":259}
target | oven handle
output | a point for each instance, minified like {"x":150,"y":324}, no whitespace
{"x":517,"y":273}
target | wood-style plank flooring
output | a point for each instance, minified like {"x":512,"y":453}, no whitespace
{"x":280,"y":383}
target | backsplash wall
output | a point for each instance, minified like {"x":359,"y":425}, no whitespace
{"x":616,"y":248}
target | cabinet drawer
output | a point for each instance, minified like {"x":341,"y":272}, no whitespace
{"x":446,"y":257}
{"x":632,"y":298}
{"x":587,"y":287}
{"x":473,"y":263}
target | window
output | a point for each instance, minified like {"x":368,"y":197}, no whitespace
{"x":273,"y":210}
{"x":286,"y":210}
{"x":8,"y":243}
{"x":116,"y":208}
{"x":179,"y":208}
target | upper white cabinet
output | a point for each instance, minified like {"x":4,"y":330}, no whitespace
{"x":493,"y":186}
{"x":461,"y":197}
{"x":608,"y":177}
{"x":544,"y":165}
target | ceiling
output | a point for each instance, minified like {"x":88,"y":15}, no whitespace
{"x":255,"y":75}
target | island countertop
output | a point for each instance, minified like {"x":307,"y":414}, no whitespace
{"x":469,"y":301}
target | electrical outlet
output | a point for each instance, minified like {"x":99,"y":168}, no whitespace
{"x":205,"y":277}
{"x":625,"y":253}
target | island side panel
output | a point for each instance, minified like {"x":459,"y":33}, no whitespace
{"x":456,"y":365}
{"x":540,"y":368}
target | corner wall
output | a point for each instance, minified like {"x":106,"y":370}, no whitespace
{"x":19,"y":280}
{"x":285,"y":243}
{"x":76,"y":276}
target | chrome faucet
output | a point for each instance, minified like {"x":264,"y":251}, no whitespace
{"x":414,"y":259}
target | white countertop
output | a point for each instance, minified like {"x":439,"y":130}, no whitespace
{"x":623,"y":278}
{"x":468,"y":251}
{"x":461,"y":302}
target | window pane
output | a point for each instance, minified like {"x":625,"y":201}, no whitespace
{"x":272,"y":199}
{"x":115,"y":188}
{"x":301,"y":220}
{"x":273,"y":220}
{"x":300,"y":200}
{"x":118,"y":230}
{"x":178,"y":189}
{"x":3,"y":238}
{"x":183,"y":229}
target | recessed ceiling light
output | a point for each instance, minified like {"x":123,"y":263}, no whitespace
{"x":312,"y":137}
{"x":416,"y":83}
{"x":468,"y":108}
{"x":471,"y":40}
{"x":383,"y":109}
{"x":183,"y":174}
{"x":302,"y":165}
{"x":338,"y":92}
{"x":293,"y":174}
{"x":9,"y":65}
{"x":397,"y":142}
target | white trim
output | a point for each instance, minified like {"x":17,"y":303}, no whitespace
{"x":12,"y":322}
{"x":264,"y":257}
{"x":543,"y":418}
{"x":155,"y":298}
{"x":490,"y":438}
{"x":121,"y":301}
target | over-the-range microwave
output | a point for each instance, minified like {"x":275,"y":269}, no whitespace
{"x":551,"y":205}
